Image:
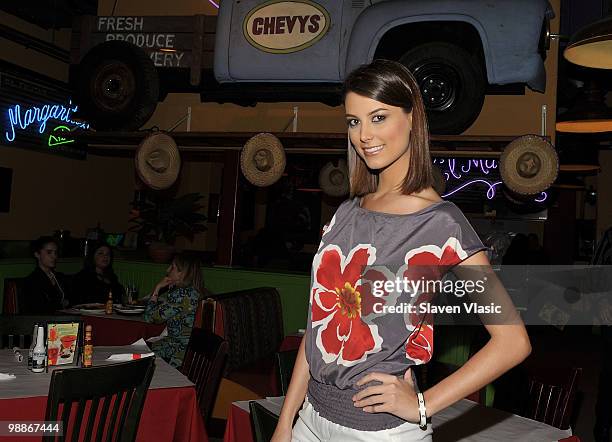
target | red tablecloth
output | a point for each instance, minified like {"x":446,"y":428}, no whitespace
{"x":169,"y":414}
{"x":238,"y":427}
{"x":111,"y":330}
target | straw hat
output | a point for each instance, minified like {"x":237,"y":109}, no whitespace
{"x":334,"y":180}
{"x":529,"y":165}
{"x":158,"y":161}
{"x":262,"y":160}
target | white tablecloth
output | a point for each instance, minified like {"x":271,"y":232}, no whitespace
{"x":29,"y":384}
{"x":467,"y":421}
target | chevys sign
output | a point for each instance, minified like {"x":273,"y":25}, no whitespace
{"x":286,"y":26}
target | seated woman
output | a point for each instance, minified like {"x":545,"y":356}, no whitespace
{"x":97,"y":278}
{"x":176,"y":306}
{"x":44,"y":290}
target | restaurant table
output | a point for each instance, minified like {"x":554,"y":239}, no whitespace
{"x":170,"y":411}
{"x":464,"y":421}
{"x":117,"y":329}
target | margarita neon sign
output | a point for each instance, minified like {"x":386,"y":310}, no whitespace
{"x":454,"y":169}
{"x":57,"y":137}
{"x":22,"y":119}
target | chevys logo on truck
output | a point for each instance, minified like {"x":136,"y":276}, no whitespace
{"x":282,"y":26}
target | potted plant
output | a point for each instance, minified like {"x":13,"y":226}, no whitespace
{"x":161,"y":220}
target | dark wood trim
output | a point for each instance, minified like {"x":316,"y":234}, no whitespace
{"x":196,"y":45}
{"x":228,"y":218}
{"x":293,"y":142}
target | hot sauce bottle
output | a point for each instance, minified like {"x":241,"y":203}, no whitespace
{"x":109,"y":304}
{"x":88,"y":348}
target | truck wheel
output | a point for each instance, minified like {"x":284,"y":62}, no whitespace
{"x":452,"y":83}
{"x":117,"y":87}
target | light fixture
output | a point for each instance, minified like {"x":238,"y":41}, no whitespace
{"x":589,"y":114}
{"x":591,"y":46}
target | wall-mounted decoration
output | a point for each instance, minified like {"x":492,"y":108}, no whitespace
{"x":476,"y":185}
{"x":36,"y":112}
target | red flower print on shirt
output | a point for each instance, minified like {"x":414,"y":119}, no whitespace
{"x":427,"y":263}
{"x":336,"y":305}
{"x":419,"y":346}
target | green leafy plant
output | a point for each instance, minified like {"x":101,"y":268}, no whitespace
{"x":165,"y":219}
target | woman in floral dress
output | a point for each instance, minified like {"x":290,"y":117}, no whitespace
{"x":175,"y":301}
{"x":352,"y":378}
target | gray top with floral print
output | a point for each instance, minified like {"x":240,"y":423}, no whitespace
{"x":351,"y":331}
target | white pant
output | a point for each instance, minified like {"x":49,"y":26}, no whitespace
{"x":310,"y":427}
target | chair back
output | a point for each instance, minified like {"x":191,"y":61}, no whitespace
{"x":551,"y":395}
{"x":251,"y":321}
{"x":12,"y":291}
{"x":285,"y":360}
{"x":99,"y":402}
{"x":263,"y":422}
{"x":203,"y":365}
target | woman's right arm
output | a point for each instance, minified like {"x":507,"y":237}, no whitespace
{"x":295,"y":396}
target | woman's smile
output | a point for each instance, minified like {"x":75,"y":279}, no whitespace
{"x":374,"y":150}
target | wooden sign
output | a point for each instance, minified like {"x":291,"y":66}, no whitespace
{"x":286,"y":26}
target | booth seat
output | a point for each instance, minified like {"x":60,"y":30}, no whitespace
{"x":252,"y":323}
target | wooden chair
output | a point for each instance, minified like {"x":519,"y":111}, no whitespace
{"x":285,"y":360}
{"x":542,"y":388}
{"x":107,"y":400}
{"x":203,"y":365}
{"x":263,"y":422}
{"x":12,"y":289}
{"x":551,"y":394}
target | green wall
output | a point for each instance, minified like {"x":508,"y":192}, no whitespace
{"x":293,"y":289}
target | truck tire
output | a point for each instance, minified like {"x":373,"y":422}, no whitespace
{"x":117,"y":86}
{"x":452,"y":83}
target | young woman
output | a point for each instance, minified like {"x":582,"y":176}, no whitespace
{"x":352,"y":377}
{"x":97,"y":278}
{"x":175,"y":301}
{"x":44,"y":290}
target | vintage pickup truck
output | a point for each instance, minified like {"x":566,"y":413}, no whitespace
{"x":301,"y":50}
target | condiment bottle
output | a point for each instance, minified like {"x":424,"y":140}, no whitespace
{"x":109,"y":304}
{"x":32,"y":345}
{"x":39,"y":354}
{"x":88,"y":348}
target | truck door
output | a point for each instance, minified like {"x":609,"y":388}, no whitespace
{"x":285,"y":40}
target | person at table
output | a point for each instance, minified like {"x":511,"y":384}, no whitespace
{"x":174,"y":301}
{"x":352,"y":378}
{"x":97,"y":278}
{"x":44,"y":290}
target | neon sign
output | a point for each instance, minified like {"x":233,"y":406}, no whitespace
{"x":455,"y":170}
{"x":56,"y":138}
{"x":216,"y":5}
{"x":36,"y":115}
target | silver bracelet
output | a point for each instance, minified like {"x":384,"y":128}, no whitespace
{"x":422,"y":410}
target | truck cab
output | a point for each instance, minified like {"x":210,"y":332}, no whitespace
{"x":301,"y":50}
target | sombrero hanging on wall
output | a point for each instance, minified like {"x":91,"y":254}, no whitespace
{"x":158,"y":161}
{"x":263,"y":160}
{"x":334,"y":179}
{"x":529,"y":165}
